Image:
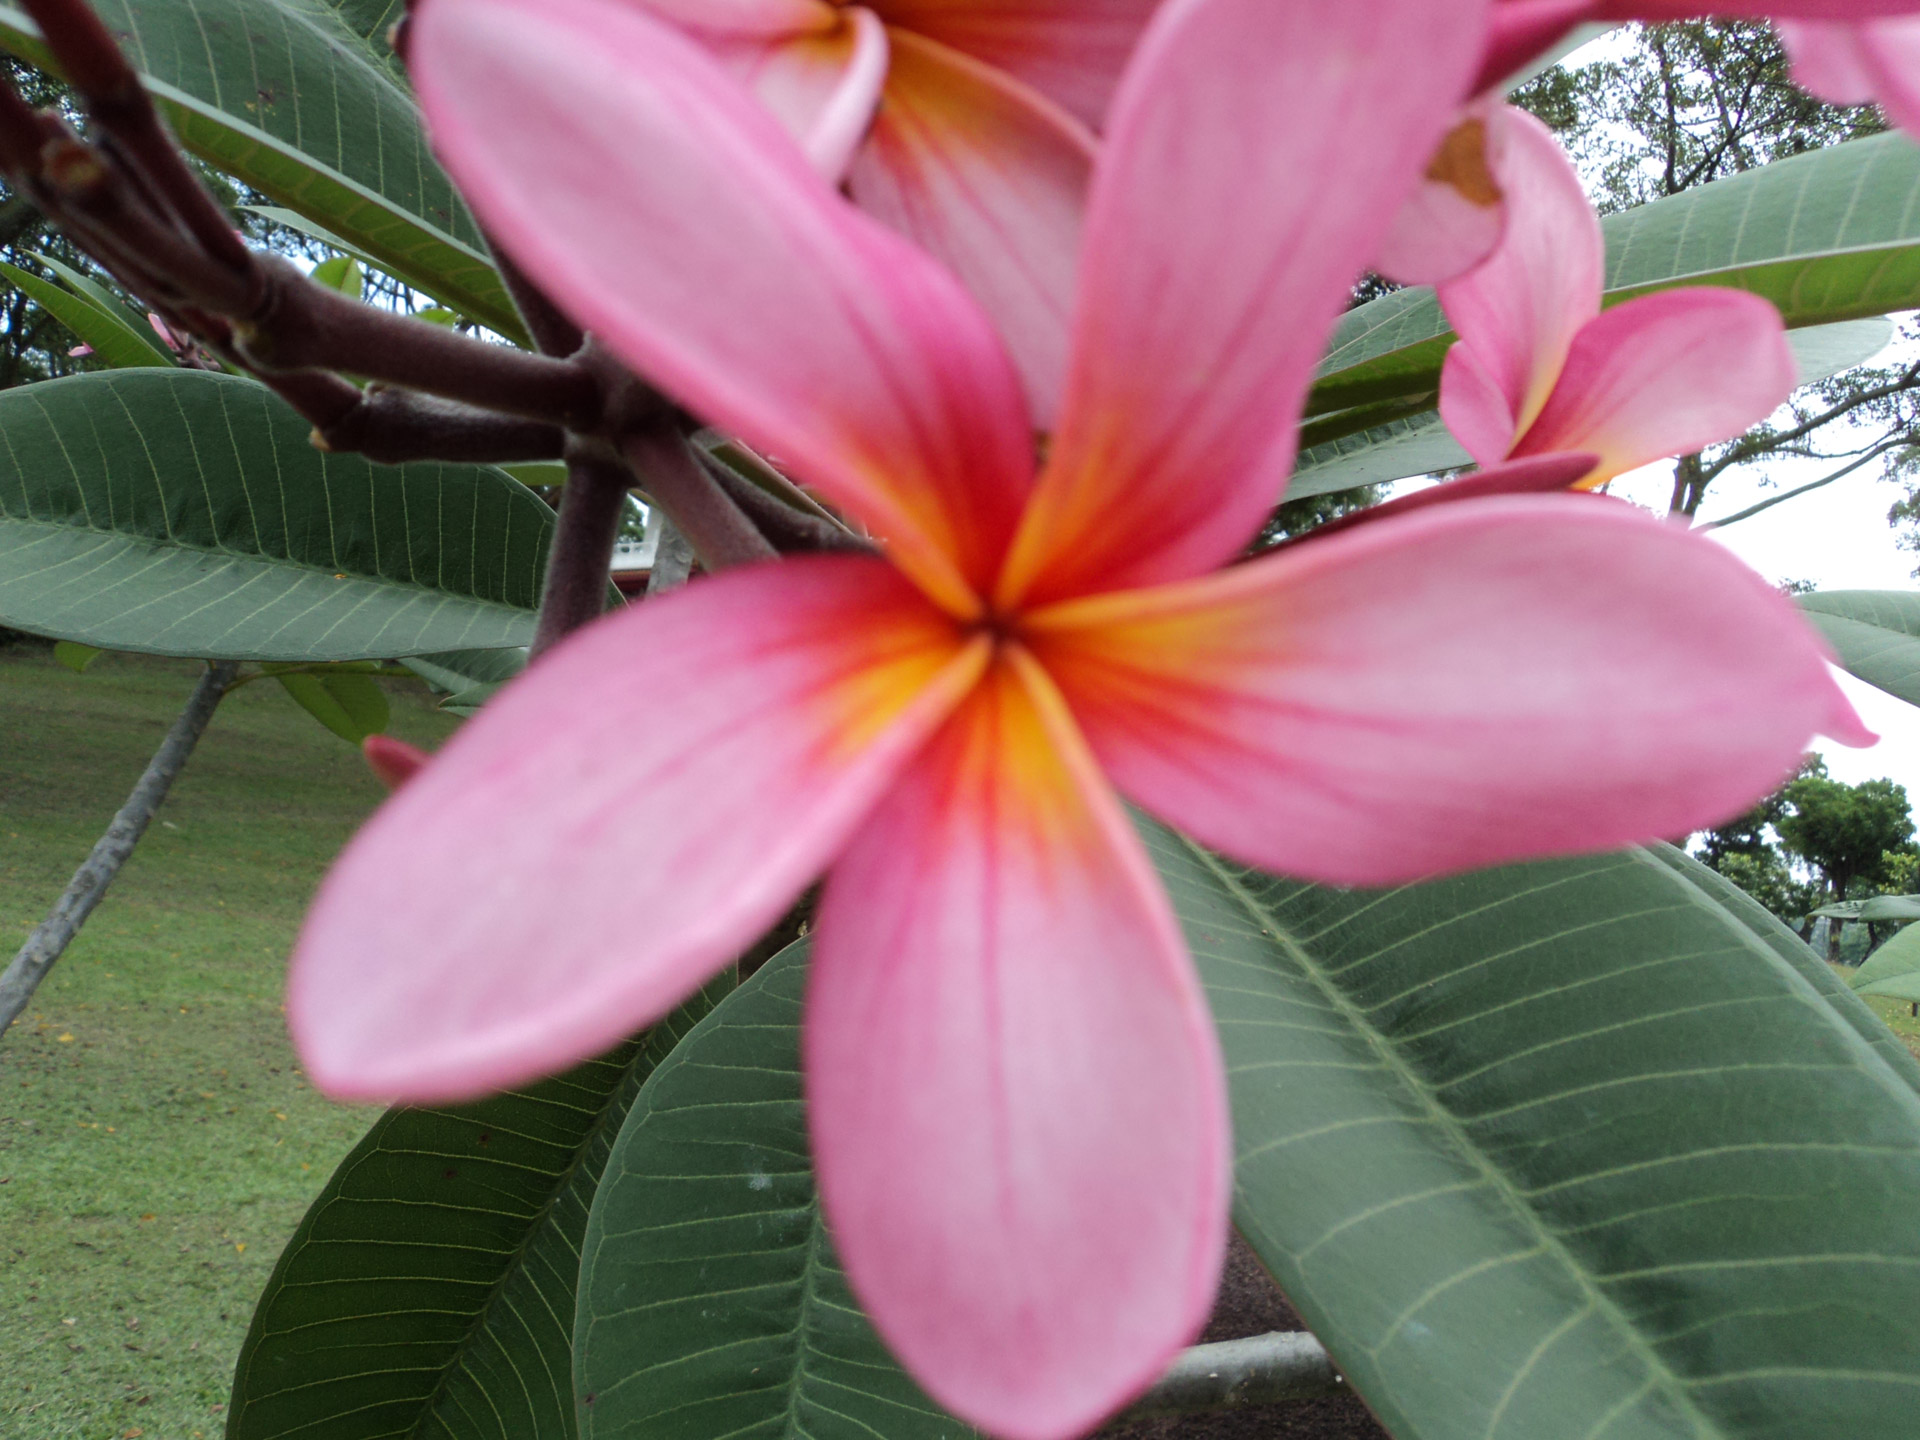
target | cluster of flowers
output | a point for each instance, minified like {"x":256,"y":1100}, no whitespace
{"x":888,"y":245}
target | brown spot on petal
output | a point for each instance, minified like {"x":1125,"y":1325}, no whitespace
{"x":1462,"y":163}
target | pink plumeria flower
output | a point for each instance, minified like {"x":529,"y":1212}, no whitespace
{"x":1540,"y":370}
{"x":967,"y":125}
{"x":1015,"y":1096}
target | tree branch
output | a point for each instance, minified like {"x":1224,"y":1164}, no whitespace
{"x":716,"y":527}
{"x":1265,"y":1370}
{"x":51,"y":937}
{"x":1747,"y":514}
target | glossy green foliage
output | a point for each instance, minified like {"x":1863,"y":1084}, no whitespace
{"x":1876,"y":634}
{"x":350,"y":704}
{"x":303,"y":101}
{"x":1582,"y":1147}
{"x":116,"y":342}
{"x":429,"y":1292}
{"x":183,"y":512}
{"x":711,"y":1303}
{"x":1892,"y":970}
{"x":1569,"y":1148}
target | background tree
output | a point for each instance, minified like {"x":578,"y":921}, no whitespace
{"x":1846,"y":834}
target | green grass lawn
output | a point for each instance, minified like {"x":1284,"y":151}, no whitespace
{"x":157,"y":1141}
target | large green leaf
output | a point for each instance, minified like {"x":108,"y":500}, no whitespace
{"x":1583,"y":1148}
{"x":430,"y":1289}
{"x":183,"y":512}
{"x":1876,"y":634}
{"x":111,"y":338}
{"x":1893,"y":969}
{"x":1566,"y":1149}
{"x":710,"y":1301}
{"x":301,"y":99}
{"x":1832,"y":235}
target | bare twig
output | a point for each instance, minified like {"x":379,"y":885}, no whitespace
{"x":51,"y":937}
{"x":719,"y":531}
{"x":1898,"y":442}
{"x":790,"y":531}
{"x":1264,"y":1370}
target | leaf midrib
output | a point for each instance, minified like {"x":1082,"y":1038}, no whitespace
{"x":1443,"y":1119}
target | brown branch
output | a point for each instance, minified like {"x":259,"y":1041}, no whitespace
{"x":788,"y":530}
{"x":111,"y":91}
{"x":582,"y":554}
{"x":551,"y":330}
{"x":716,"y":527}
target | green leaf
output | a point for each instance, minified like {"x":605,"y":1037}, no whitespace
{"x":182,"y":512}
{"x":469,"y":678}
{"x":113,"y":340}
{"x":1589,"y":1147}
{"x":1568,"y":1148}
{"x":1828,"y":236}
{"x":343,"y":274}
{"x":302,"y":100}
{"x":430,"y":1289}
{"x":711,"y":1303}
{"x":1876,"y":634}
{"x":76,"y":657}
{"x":1895,"y":964}
{"x":1363,"y":451}
{"x":352,"y":706}
{"x":1881,"y":907}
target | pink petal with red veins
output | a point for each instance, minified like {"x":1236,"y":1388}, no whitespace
{"x":823,"y":87}
{"x":644,"y":188}
{"x":1664,"y":375}
{"x":991,"y":178}
{"x":614,"y":826}
{"x":1072,"y":51}
{"x":1519,"y":312}
{"x":1015,"y":1091}
{"x":1255,"y":157}
{"x":1475,"y":684}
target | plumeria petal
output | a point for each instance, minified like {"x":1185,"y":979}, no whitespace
{"x":1524,"y":30}
{"x":822,"y":86}
{"x":1072,"y":51}
{"x":1536,"y":475}
{"x":1664,"y":375}
{"x":1474,"y":684}
{"x":394,"y":761}
{"x":1457,"y":213}
{"x":1474,"y":406}
{"x":661,"y":206}
{"x":1852,"y":64}
{"x":761,"y":19}
{"x":1519,"y":312}
{"x":992,"y":178}
{"x":1829,"y":60}
{"x":1256,"y":154}
{"x":615,"y":826}
{"x":1014,"y":1086}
